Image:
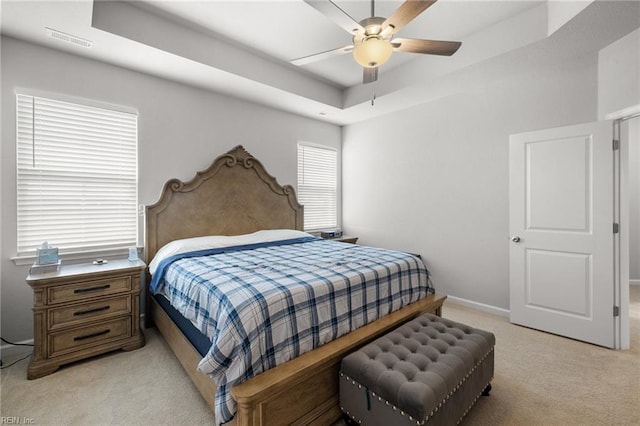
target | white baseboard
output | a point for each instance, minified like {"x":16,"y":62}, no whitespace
{"x":480,"y":306}
{"x":634,"y":282}
{"x":7,"y":350}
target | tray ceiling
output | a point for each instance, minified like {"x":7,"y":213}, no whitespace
{"x":243,"y":48}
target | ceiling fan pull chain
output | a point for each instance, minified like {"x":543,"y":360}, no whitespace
{"x":373,"y":100}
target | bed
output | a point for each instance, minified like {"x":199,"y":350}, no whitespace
{"x":236,"y":196}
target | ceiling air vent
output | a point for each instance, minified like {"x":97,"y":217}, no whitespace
{"x":68,"y":38}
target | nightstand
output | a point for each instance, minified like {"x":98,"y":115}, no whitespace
{"x":345,"y":239}
{"x":84,"y":310}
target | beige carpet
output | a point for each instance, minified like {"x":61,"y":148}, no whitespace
{"x":540,"y":379}
{"x":543,"y":379}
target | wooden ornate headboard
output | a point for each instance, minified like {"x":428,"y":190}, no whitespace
{"x":234,"y":196}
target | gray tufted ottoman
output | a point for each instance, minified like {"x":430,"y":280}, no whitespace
{"x":429,"y":370}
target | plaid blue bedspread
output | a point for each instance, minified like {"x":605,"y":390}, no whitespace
{"x":264,"y":304}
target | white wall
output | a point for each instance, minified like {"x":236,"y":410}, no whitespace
{"x":433,"y":179}
{"x":619,"y":89}
{"x":181,"y":130}
{"x":619,"y":75}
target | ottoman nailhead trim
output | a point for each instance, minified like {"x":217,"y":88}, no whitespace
{"x":432,"y":413}
{"x":472,"y":404}
{"x":441,"y":403}
{"x":457,"y":387}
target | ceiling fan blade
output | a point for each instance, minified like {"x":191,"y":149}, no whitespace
{"x":369,"y":75}
{"x":336,"y":14}
{"x":322,"y":55}
{"x":406,"y":13}
{"x":430,"y":47}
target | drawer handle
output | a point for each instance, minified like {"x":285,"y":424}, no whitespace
{"x":87,"y":290}
{"x":92,"y":311}
{"x":89,"y":336}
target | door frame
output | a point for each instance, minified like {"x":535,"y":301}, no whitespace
{"x":621,"y":216}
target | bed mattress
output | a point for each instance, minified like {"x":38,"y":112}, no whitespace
{"x":195,"y":337}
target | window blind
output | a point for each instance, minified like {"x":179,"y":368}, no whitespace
{"x":77,"y":176}
{"x":317,"y":186}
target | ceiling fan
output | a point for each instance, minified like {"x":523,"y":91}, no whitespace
{"x":373,"y":37}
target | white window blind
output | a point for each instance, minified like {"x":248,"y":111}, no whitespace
{"x":317,"y":186}
{"x":77,"y":176}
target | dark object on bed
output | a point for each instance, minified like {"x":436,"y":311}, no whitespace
{"x":428,"y":370}
{"x":234,"y":196}
{"x":334,"y":233}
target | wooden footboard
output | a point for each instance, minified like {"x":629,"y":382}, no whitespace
{"x":303,"y":391}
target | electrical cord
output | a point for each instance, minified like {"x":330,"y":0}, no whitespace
{"x":15,"y":362}
{"x":2,"y":367}
{"x":15,"y":344}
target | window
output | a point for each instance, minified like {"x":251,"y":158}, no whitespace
{"x":77,"y":176}
{"x":317,"y":186}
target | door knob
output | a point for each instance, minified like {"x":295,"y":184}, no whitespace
{"x":515,"y":239}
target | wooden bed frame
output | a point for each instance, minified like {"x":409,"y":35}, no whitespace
{"x":236,"y":195}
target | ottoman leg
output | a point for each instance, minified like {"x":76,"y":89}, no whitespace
{"x":486,"y":390}
{"x":347,"y":420}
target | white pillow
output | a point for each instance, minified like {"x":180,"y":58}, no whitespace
{"x":217,"y":241}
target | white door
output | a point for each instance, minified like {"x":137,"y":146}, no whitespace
{"x":561,"y":252}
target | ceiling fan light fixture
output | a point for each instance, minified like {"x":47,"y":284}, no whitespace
{"x":372,"y":52}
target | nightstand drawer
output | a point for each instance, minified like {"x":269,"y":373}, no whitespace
{"x":82,"y":313}
{"x":88,"y":289}
{"x":92,"y":336}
